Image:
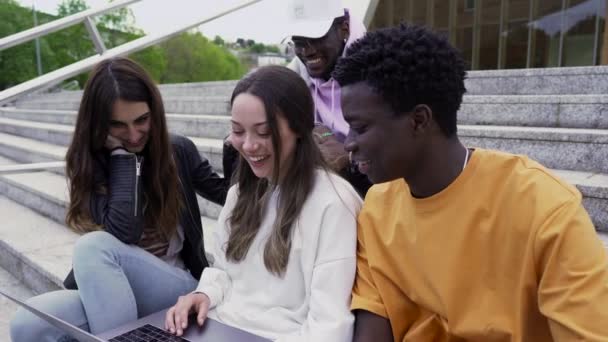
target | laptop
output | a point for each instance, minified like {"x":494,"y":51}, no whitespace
{"x":147,"y":329}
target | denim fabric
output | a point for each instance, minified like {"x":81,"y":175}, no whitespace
{"x":118,"y":283}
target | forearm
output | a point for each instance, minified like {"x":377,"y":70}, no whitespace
{"x":214,"y":283}
{"x":119,"y":210}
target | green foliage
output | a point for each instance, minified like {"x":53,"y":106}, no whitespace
{"x":192,"y":58}
{"x":189,"y":57}
{"x":250,"y":45}
{"x":18,"y":64}
{"x":219,"y":41}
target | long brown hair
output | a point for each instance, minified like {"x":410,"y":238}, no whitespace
{"x":110,"y":80}
{"x":284,"y":93}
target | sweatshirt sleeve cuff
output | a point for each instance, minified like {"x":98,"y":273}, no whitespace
{"x":214,"y":283}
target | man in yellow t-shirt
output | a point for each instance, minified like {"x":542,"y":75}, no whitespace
{"x":457,"y":244}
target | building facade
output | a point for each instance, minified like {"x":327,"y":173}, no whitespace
{"x":507,"y":34}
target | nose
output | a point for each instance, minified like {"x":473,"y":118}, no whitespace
{"x":134,"y":135}
{"x":249,"y":144}
{"x":350,"y":144}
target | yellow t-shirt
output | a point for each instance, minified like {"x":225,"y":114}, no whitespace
{"x":504,"y":253}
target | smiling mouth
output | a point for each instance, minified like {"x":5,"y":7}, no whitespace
{"x":314,"y":61}
{"x":257,"y":159}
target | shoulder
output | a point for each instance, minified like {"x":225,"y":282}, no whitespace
{"x":182,"y":146}
{"x":525,"y":177}
{"x":332,"y":190}
{"x":518,"y":184}
{"x":180,"y":142}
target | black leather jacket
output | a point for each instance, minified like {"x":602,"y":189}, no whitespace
{"x":120,"y":209}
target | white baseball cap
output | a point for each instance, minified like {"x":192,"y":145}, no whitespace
{"x":313,"y":18}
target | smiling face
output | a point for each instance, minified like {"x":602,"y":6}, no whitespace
{"x":381,"y":142}
{"x":320,"y":55}
{"x":130,"y":123}
{"x":252,"y":136}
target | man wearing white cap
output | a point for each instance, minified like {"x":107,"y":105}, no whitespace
{"x":321,"y":31}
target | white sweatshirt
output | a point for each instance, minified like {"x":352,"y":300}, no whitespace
{"x":311,"y":302}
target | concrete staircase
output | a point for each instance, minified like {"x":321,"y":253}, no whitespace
{"x":556,"y":116}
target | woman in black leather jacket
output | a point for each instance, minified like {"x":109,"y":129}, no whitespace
{"x":132,"y":190}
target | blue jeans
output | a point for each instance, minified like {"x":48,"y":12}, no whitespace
{"x":117,"y":283}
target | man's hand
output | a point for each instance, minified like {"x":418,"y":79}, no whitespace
{"x":332,"y":150}
{"x":176,"y":320}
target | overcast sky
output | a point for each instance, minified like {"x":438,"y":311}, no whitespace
{"x":264,"y":22}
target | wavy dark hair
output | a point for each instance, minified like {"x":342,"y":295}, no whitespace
{"x":110,"y":80}
{"x":284,"y":94}
{"x":408,"y":65}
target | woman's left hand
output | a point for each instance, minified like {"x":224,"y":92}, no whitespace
{"x":176,"y":319}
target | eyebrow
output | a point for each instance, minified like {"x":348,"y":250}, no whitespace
{"x":256,"y":125}
{"x":137,"y":118}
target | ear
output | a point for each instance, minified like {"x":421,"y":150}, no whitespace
{"x":422,"y":119}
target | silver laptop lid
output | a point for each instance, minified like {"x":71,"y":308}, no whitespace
{"x":70,"y":329}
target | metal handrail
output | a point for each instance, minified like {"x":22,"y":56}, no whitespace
{"x":32,"y":167}
{"x":55,"y":77}
{"x":59,"y":24}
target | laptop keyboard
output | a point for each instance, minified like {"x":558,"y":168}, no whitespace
{"x":147,"y":333}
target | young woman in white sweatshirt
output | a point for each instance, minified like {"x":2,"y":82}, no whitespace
{"x":285,"y":246}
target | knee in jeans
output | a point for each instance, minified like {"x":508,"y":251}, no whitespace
{"x":93,"y":245}
{"x":25,"y":326}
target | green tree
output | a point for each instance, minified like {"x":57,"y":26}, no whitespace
{"x":193,"y":58}
{"x":219,"y":41}
{"x":18,"y":63}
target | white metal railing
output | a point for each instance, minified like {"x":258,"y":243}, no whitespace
{"x":54,"y":77}
{"x":32,"y":167}
{"x":60,"y":24}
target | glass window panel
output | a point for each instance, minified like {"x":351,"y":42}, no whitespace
{"x":519,"y":9}
{"x":579,"y":37}
{"x":546,"y":26}
{"x":464,"y":42}
{"x":488,"y":47}
{"x":401,"y":11}
{"x":419,"y":15}
{"x":442,"y":13}
{"x":517,"y":44}
{"x":490,"y":13}
{"x":464,"y":15}
{"x":603,"y":39}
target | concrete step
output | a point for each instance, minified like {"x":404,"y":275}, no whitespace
{"x":542,"y":81}
{"x":568,"y":111}
{"x":47,"y":192}
{"x":212,"y":105}
{"x":42,"y":263}
{"x":571,"y":80}
{"x":214,"y":88}
{"x":36,"y":202}
{"x":15,"y":288}
{"x":26,"y":150}
{"x":61,"y":135}
{"x":212,"y":126}
{"x":571,"y":111}
{"x":556,"y":148}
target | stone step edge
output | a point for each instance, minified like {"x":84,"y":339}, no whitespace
{"x":39,"y":279}
{"x":27,"y":271}
{"x":33,"y":111}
